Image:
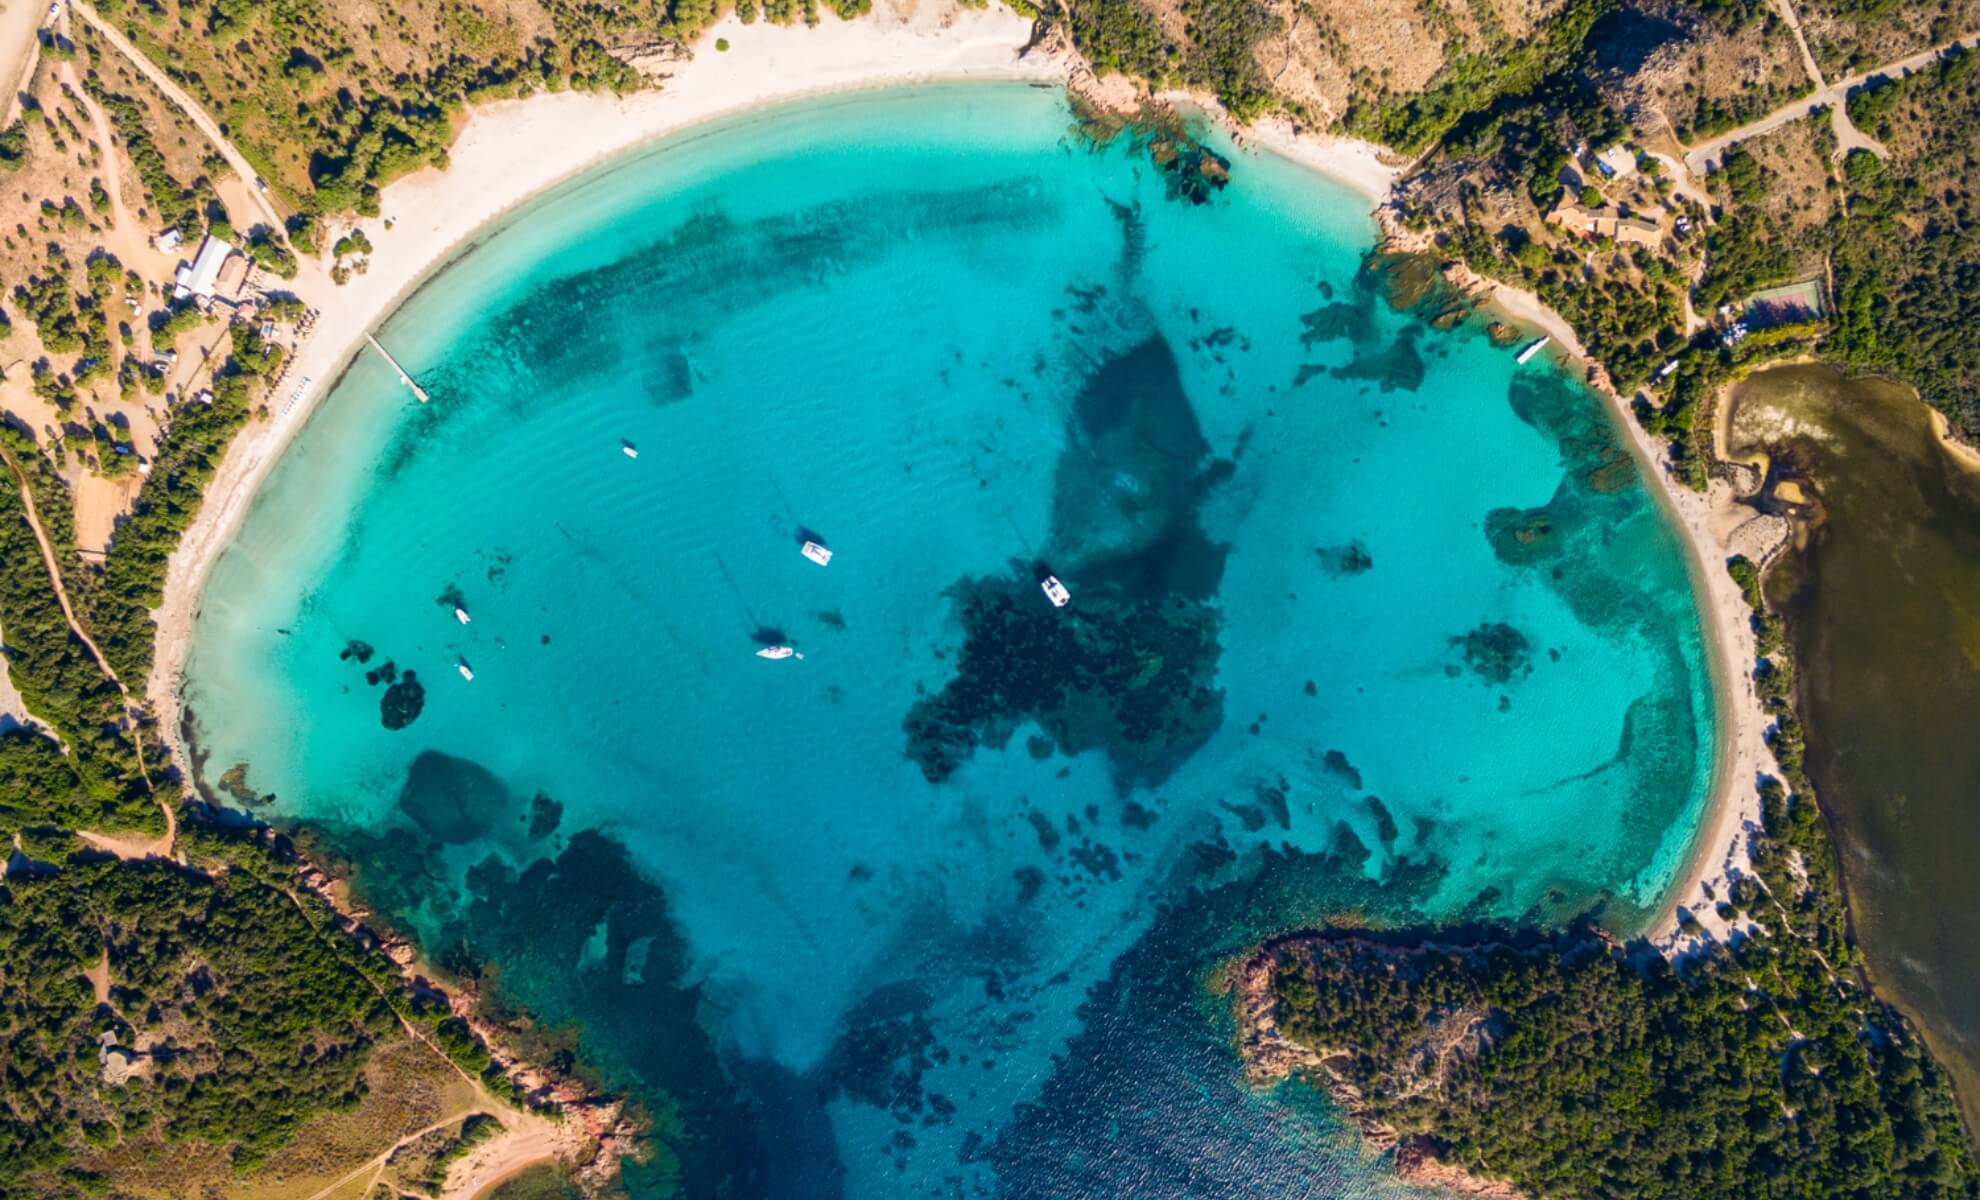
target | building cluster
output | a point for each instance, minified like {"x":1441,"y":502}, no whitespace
{"x":1607,"y":223}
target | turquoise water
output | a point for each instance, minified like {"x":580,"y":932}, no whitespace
{"x":1366,"y":620}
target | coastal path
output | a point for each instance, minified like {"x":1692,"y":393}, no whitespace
{"x":1707,"y":155}
{"x":196,"y":114}
{"x":527,"y":1137}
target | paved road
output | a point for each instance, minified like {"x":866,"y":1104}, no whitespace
{"x":177,"y":95}
{"x":1708,"y":154}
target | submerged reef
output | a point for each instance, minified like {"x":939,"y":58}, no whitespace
{"x":1106,"y":1122}
{"x":402,"y":702}
{"x":577,"y":959}
{"x":1128,"y":667}
{"x":1352,"y":558}
{"x":451,"y":799}
{"x":1129,"y":677}
{"x":1193,"y":172}
{"x":1496,"y":652}
{"x":1407,"y":284}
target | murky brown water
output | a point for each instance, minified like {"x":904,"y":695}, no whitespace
{"x":1883,"y":601}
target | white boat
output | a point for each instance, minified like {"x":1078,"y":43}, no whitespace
{"x":460,"y":614}
{"x":467,"y":672}
{"x":631,"y":450}
{"x":1056,"y":592}
{"x":818,"y":554}
{"x":778,"y":652}
{"x":1528,"y":353}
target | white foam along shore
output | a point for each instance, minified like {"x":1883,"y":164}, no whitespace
{"x":512,"y":151}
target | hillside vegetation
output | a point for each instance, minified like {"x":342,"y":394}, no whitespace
{"x":179,"y":1021}
{"x":331,"y":101}
{"x":1571,"y":1066}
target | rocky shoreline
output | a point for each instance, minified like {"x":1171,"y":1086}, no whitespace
{"x":596,"y":1131}
{"x":1271,"y":1057}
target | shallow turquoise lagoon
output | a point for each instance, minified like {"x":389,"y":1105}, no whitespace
{"x":1366,"y":621}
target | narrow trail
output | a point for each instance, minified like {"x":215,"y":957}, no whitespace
{"x":539,"y":1136}
{"x":20,"y":50}
{"x":113,"y":180}
{"x":1808,"y":63}
{"x":53,"y":566}
{"x":377,"y":1164}
{"x":196,"y":114}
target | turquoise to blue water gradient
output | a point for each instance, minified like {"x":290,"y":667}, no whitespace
{"x":1458,"y":667}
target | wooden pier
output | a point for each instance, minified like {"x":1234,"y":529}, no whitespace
{"x":404,"y":378}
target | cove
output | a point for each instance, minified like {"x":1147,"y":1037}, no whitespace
{"x":1367,"y":623}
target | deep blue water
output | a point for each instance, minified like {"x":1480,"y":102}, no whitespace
{"x":1367,"y":623}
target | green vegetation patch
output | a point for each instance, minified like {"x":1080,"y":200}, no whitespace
{"x":1572,"y":1066}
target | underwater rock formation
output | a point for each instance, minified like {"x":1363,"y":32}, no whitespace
{"x":452,"y":799}
{"x":402,"y":702}
{"x":1129,"y":677}
{"x":1496,"y":651}
{"x":1128,"y":667}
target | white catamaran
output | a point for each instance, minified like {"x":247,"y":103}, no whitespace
{"x":1055,"y":591}
{"x":817,"y":553}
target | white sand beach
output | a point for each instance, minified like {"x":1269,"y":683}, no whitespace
{"x":1720,"y":847}
{"x":511,"y":151}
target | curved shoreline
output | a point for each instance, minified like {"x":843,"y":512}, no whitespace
{"x":1718,"y":853}
{"x":512,"y":153}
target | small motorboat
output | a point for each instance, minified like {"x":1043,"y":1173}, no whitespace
{"x":817,"y":553}
{"x":1055,"y":591}
{"x":631,"y":450}
{"x":460,"y":614}
{"x":467,"y":672}
{"x":778,"y":652}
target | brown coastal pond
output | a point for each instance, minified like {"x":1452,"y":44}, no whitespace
{"x":1882,"y":596}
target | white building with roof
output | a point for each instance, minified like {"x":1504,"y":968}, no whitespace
{"x":197,"y":277}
